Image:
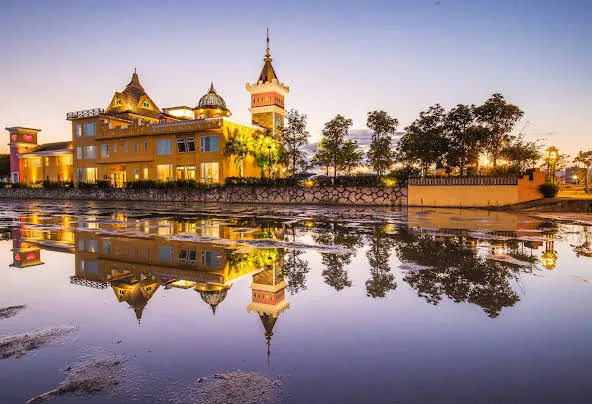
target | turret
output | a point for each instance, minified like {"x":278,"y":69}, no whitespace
{"x":21,"y":140}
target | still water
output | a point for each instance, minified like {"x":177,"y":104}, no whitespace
{"x":340,"y":304}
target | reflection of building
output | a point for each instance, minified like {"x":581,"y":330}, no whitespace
{"x":24,"y":254}
{"x":133,"y":139}
{"x":268,"y":298}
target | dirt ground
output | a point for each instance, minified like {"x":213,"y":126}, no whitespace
{"x":7,"y":312}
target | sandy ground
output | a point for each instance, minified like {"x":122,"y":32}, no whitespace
{"x":90,"y":377}
{"x":19,"y":344}
{"x":11,"y":311}
{"x":573,"y":217}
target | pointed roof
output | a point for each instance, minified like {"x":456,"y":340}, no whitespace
{"x":267,"y":73}
{"x":211,"y":100}
{"x":132,"y":100}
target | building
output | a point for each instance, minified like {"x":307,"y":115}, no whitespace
{"x":133,"y":139}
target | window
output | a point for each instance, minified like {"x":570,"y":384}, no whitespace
{"x":209,"y":172}
{"x":183,"y":255}
{"x":47,"y":162}
{"x":79,"y":153}
{"x":36,"y":162}
{"x":210,"y":259}
{"x":90,"y":129}
{"x":92,"y":267}
{"x":185,"y":172}
{"x":145,"y":173}
{"x":164,"y":172}
{"x":135,"y":147}
{"x":106,"y":247}
{"x":104,"y":151}
{"x":146,"y":105}
{"x":114,"y":147}
{"x":125,"y":147}
{"x":26,"y":163}
{"x":90,"y":152}
{"x":117,"y":102}
{"x":190,"y":144}
{"x":208,"y":144}
{"x":145,"y":145}
{"x":92,"y":246}
{"x":164,"y":146}
{"x":165,"y":254}
{"x":78,"y":129}
{"x":67,"y":159}
{"x":136,"y":173}
{"x":79,"y":174}
{"x":181,"y":146}
{"x":191,"y":257}
{"x":90,"y":174}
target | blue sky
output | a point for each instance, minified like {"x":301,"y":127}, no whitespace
{"x":337,"y":57}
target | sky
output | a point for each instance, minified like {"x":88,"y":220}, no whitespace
{"x":346,"y":57}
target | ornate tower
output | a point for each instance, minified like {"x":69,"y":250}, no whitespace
{"x":22,"y":140}
{"x":267,"y":97}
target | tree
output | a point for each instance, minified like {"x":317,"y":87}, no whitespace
{"x":295,"y":136}
{"x":585,"y":158}
{"x":239,"y":146}
{"x":520,"y":154}
{"x":335,"y":150}
{"x":465,"y":137}
{"x":424,"y":141}
{"x":498,"y":117}
{"x":267,"y":152}
{"x":381,"y":154}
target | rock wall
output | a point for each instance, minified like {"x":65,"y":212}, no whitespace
{"x":378,"y":196}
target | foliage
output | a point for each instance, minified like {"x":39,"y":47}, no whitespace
{"x":239,"y":145}
{"x":381,"y":154}
{"x":549,"y":189}
{"x":521,"y":154}
{"x":4,"y":165}
{"x":465,"y":137}
{"x":295,"y":136}
{"x":335,"y":149}
{"x":56,"y":184}
{"x":402,"y":175}
{"x":94,"y":185}
{"x":256,"y":181}
{"x":498,"y":118}
{"x":268,"y":152}
{"x":585,"y":158}
{"x":424,"y":141}
{"x":179,"y":184}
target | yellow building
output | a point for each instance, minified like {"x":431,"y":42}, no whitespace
{"x":133,"y":139}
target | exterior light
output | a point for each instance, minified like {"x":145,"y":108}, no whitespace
{"x":549,"y":259}
{"x":309,"y":183}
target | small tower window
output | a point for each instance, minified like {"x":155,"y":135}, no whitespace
{"x":117,"y":102}
{"x":146,"y":105}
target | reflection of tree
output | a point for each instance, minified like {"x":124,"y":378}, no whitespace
{"x":381,"y":280}
{"x":457,"y":272}
{"x":335,"y":274}
{"x":583,"y":246}
{"x":295,"y":270}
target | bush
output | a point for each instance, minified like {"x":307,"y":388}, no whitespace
{"x":56,"y":184}
{"x":102,"y":184}
{"x":402,"y":175}
{"x":183,"y":184}
{"x":549,"y":189}
{"x":265,"y":182}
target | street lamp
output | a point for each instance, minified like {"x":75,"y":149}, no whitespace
{"x":551,"y":157}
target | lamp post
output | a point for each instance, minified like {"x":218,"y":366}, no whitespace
{"x":551,"y":157}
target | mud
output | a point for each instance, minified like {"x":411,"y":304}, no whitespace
{"x":235,"y":387}
{"x":94,"y":376}
{"x":11,"y":311}
{"x":19,"y":344}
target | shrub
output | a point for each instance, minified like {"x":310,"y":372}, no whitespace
{"x":266,"y":182}
{"x":56,"y":184}
{"x":19,"y":185}
{"x":402,"y":175}
{"x":549,"y":189}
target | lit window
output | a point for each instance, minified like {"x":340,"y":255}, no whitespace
{"x":145,"y":173}
{"x":67,"y":159}
{"x":90,"y":174}
{"x":164,"y":146}
{"x":36,"y":162}
{"x":185,"y":172}
{"x":114,"y":147}
{"x":117,"y":102}
{"x":90,"y":129}
{"x":79,"y":153}
{"x":78,"y":129}
{"x":47,"y":162}
{"x":136,"y":173}
{"x":164,"y":172}
{"x":210,"y":259}
{"x":26,"y":163}
{"x":208,"y":144}
{"x":209,"y":172}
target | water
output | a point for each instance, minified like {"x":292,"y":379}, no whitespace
{"x":340,"y":304}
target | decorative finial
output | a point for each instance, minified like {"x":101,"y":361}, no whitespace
{"x":212,"y":90}
{"x":267,"y":54}
{"x":134,"y":70}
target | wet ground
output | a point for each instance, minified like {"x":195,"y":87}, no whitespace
{"x":179,"y":303}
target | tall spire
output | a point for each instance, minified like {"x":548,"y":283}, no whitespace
{"x":267,"y":54}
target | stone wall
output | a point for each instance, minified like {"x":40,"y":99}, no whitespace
{"x":379,"y":196}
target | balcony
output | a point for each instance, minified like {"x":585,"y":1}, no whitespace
{"x":87,"y":113}
{"x":136,"y":129}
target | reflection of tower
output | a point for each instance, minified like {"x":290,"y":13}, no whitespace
{"x":549,"y":257}
{"x":23,"y":254}
{"x":212,"y":294}
{"x":267,"y":97}
{"x":268,"y":299}
{"x":135,"y":293}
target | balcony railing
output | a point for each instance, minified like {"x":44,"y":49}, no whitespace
{"x":87,"y":113}
{"x":162,"y":128}
{"x":464,"y":181}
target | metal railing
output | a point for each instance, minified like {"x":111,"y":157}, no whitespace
{"x":464,"y":181}
{"x":87,"y":113}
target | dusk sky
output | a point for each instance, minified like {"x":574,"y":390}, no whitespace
{"x":347,"y":57}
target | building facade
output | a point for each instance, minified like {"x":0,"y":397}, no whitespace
{"x":133,"y":139}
